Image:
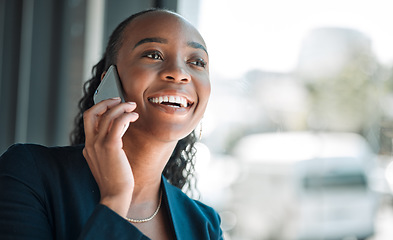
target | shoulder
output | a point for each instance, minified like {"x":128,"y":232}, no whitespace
{"x":193,"y":210}
{"x":47,"y":188}
{"x":206,"y":217}
{"x":47,"y":170}
{"x":209,"y":212}
{"x":27,"y":158}
{"x":194,"y":205}
{"x":19,"y":157}
{"x":33,"y":150}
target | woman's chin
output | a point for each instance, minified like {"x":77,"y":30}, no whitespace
{"x":168,"y":133}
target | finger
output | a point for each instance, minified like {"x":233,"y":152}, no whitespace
{"x":125,"y":128}
{"x":90,"y":116}
{"x":105,"y":122}
{"x":103,"y":106}
{"x":120,"y":125}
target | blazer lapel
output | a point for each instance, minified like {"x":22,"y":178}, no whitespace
{"x":176,"y":213}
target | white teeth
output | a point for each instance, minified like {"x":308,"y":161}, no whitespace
{"x":178,"y":99}
{"x":170,"y":99}
{"x":183,"y":103}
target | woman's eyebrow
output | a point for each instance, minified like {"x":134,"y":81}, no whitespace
{"x":153,"y":39}
{"x":197,"y":46}
{"x":163,"y":40}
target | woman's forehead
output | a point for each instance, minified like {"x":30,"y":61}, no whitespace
{"x":161,"y":24}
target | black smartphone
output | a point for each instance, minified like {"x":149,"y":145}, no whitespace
{"x":110,"y":86}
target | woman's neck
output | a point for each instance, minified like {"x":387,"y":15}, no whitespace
{"x":147,"y":158}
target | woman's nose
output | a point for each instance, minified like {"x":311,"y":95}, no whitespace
{"x":176,"y":72}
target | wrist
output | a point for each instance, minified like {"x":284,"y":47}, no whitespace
{"x":119,"y":203}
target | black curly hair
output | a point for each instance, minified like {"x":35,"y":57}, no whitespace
{"x":180,"y":168}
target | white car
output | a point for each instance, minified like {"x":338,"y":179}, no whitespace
{"x":305,"y":186}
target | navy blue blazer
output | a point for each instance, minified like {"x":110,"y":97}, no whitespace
{"x":50,"y":193}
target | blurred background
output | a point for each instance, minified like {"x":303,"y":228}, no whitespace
{"x":297,"y":141}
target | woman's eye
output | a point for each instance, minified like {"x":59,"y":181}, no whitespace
{"x":198,"y":62}
{"x":154,"y":55}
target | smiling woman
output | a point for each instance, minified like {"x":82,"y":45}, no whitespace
{"x":114,"y":186}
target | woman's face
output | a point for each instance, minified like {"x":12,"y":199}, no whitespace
{"x":163,"y":66}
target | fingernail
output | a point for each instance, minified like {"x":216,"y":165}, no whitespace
{"x":116,"y":98}
{"x":125,"y":129}
{"x":132,"y":103}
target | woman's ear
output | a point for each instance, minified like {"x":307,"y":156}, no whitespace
{"x":103,"y":75}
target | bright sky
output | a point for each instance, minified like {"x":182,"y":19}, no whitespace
{"x":266,"y":34}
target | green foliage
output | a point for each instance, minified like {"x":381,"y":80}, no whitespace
{"x":347,"y":100}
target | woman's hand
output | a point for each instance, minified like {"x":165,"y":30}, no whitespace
{"x":105,"y":124}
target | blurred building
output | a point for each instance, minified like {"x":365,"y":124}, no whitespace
{"x":326,"y":51}
{"x":340,"y":72}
